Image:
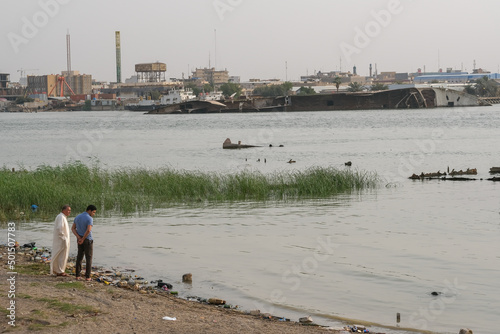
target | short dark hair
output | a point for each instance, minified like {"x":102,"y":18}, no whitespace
{"x":64,"y":207}
{"x":91,"y":208}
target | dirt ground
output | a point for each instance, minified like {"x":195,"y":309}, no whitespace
{"x":50,"y":304}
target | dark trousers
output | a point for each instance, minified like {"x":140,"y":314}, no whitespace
{"x":87,"y":249}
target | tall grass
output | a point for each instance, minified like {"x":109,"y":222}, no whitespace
{"x":139,"y":189}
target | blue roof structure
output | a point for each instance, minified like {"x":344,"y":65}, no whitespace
{"x":459,"y":77}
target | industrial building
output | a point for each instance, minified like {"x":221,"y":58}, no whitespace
{"x":460,"y":77}
{"x":79,"y":83}
{"x":4,"y":80}
{"x":51,"y":84}
{"x":42,"y":84}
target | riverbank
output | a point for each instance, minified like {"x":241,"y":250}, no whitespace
{"x":50,"y":304}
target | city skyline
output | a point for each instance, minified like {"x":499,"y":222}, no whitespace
{"x":257,"y":39}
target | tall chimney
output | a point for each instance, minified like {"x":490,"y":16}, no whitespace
{"x":68,"y":54}
{"x":118,"y":58}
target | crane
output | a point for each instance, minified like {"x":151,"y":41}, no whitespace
{"x":62,"y":81}
{"x":23,"y":71}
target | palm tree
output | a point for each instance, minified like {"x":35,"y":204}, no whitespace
{"x":355,"y":87}
{"x":379,"y":86}
{"x":486,"y":87}
{"x":337,"y":81}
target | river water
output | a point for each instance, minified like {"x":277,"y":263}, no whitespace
{"x":365,"y":256}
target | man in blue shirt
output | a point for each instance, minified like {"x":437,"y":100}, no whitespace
{"x":82,"y":229}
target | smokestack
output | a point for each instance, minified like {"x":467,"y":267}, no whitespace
{"x":370,"y":70}
{"x":118,"y":58}
{"x":68,"y":54}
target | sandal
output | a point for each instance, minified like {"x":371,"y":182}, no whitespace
{"x":88,"y":279}
{"x":62,"y":274}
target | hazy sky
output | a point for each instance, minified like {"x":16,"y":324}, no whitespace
{"x":249,"y":38}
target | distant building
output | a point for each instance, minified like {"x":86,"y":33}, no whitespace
{"x":132,"y":79}
{"x":79,"y":83}
{"x":392,"y":77}
{"x":480,"y":71}
{"x":51,"y":84}
{"x":4,"y":80}
{"x":234,"y":79}
{"x":211,"y":75}
{"x":43,"y":84}
{"x":330,"y":77}
{"x":402,"y":77}
{"x":82,"y":84}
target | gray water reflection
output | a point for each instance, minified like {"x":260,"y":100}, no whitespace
{"x":274,"y":257}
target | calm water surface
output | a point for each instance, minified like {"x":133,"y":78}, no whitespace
{"x":363,"y":256}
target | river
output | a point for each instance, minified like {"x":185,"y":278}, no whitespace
{"x":366,"y":256}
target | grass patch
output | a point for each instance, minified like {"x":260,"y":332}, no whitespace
{"x":68,"y":308}
{"x":39,"y":325}
{"x":139,"y":189}
{"x":24,"y":296}
{"x":33,"y":269}
{"x":71,"y":285}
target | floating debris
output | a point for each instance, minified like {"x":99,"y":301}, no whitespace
{"x":229,"y":145}
{"x":187,"y":278}
{"x":216,"y":301}
{"x":442,"y":176}
{"x":472,"y":171}
{"x":305,"y":320}
{"x":494,"y":170}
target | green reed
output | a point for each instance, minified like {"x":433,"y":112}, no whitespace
{"x":139,"y":189}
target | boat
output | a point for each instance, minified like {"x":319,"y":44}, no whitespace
{"x":173,"y":96}
{"x":142,"y":105}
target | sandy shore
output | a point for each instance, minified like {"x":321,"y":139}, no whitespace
{"x":51,"y":304}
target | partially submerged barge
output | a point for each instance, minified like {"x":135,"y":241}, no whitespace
{"x":407,"y":98}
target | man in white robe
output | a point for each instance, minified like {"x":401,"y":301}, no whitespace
{"x":60,"y":243}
